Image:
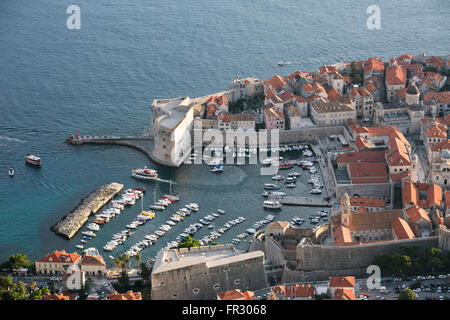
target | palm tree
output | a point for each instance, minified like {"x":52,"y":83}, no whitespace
{"x":138,"y":257}
{"x":117,"y":263}
{"x":124,"y":259}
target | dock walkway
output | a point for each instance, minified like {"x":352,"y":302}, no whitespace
{"x":302,"y":201}
{"x":143,"y":144}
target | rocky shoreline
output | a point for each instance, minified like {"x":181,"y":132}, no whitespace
{"x":69,"y":225}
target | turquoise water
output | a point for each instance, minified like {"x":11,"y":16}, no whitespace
{"x":103,"y":78}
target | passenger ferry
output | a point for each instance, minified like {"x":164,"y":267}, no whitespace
{"x":147,"y":174}
{"x":32,"y":159}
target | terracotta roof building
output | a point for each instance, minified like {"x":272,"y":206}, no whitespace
{"x":56,"y":262}
{"x":236,"y":294}
{"x":130,"y":295}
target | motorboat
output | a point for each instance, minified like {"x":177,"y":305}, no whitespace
{"x":79,"y":246}
{"x":11,"y":172}
{"x":316,"y":191}
{"x":156,"y":207}
{"x":269,"y":186}
{"x":221,"y":211}
{"x":284,"y":63}
{"x":217,"y":168}
{"x":277,"y":177}
{"x":291,"y":185}
{"x":192,"y":206}
{"x":146,"y":173}
{"x":272,"y":204}
{"x":286,"y":165}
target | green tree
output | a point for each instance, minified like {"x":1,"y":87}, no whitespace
{"x":6,"y":282}
{"x":83,"y":292}
{"x":45,"y":291}
{"x":36,"y":295}
{"x":17,"y":261}
{"x":188,"y":242}
{"x":407,"y":294}
{"x":145,"y":273}
{"x":124,"y":281}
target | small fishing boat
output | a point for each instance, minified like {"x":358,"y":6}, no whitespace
{"x":11,"y":172}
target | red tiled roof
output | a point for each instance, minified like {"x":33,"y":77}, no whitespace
{"x":344,"y":294}
{"x":361,"y":156}
{"x":395,"y":75}
{"x":402,"y":229}
{"x":130,"y":295}
{"x":410,"y":193}
{"x":342,"y":282}
{"x":415,"y":213}
{"x":236,"y":294}
{"x":434,"y":195}
{"x":93,"y":260}
{"x":60,"y":257}
{"x":276,"y":82}
{"x":368,"y":170}
{"x":342,"y":235}
{"x":55,"y":297}
{"x":367,"y":202}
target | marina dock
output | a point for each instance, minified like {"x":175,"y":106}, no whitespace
{"x":70,"y":224}
{"x":302,"y":201}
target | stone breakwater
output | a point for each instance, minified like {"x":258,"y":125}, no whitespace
{"x":70,"y":224}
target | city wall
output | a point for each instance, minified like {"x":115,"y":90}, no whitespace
{"x":320,"y":262}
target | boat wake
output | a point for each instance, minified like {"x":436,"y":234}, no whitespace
{"x":11,"y":139}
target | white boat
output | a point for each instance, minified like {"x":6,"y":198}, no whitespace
{"x":251,"y":230}
{"x":156,"y":207}
{"x":192,"y":206}
{"x":284,"y":63}
{"x":11,"y":172}
{"x":316,"y":191}
{"x":79,"y":246}
{"x":146,"y":174}
{"x":221,"y":211}
{"x":217,"y":168}
{"x":272,"y":204}
{"x":277,"y":177}
{"x":269,"y":186}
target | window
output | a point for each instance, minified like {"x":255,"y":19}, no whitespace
{"x":216,"y":286}
{"x":196,"y":291}
{"x":237,"y":281}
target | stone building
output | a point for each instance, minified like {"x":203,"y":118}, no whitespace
{"x":326,"y":113}
{"x":56,"y":262}
{"x":202,"y":273}
{"x":395,"y":81}
{"x":172,"y":121}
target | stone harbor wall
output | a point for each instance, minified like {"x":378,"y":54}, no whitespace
{"x":70,"y":224}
